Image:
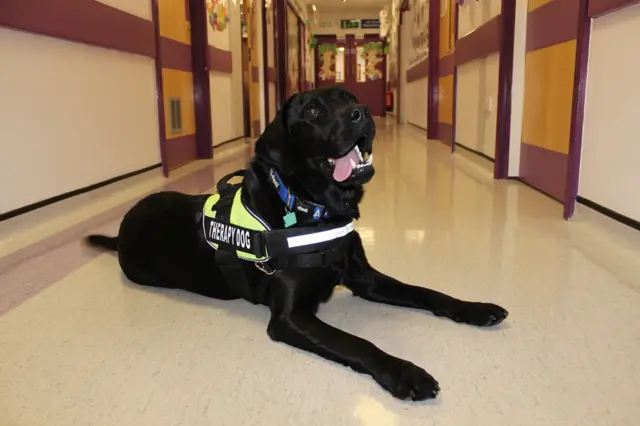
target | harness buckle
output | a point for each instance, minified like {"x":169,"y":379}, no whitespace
{"x":264,"y":267}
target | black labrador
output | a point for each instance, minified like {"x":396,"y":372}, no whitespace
{"x":320,"y":145}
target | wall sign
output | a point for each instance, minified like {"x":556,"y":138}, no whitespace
{"x":349,"y":23}
{"x":370,"y":23}
{"x":419,"y":27}
{"x":217,"y":14}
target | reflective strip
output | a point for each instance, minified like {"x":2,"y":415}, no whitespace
{"x":319,"y":237}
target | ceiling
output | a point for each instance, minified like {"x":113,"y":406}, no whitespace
{"x":349,"y":5}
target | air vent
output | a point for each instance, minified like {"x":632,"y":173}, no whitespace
{"x":175,"y":115}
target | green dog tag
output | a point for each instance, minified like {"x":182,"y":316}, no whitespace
{"x":290,"y":219}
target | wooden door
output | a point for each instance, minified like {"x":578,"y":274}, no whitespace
{"x":367,"y":72}
{"x":358,"y":65}
{"x":331,"y":62}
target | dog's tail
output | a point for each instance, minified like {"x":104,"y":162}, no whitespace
{"x":102,"y":241}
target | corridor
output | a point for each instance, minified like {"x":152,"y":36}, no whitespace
{"x":79,"y":345}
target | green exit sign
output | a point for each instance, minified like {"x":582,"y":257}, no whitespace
{"x":350,"y":23}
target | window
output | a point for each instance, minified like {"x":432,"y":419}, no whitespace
{"x":361,"y":65}
{"x":340,"y":65}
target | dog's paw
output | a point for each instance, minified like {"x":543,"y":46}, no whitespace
{"x":407,"y":381}
{"x":479,"y":314}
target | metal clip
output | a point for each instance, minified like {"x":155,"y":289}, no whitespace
{"x":264,"y":267}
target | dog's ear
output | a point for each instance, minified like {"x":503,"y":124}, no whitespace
{"x":273,"y":146}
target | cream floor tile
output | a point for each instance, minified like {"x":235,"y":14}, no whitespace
{"x":92,"y":349}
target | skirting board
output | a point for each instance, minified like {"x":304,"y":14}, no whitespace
{"x":473,"y":151}
{"x":49,"y":201}
{"x":609,"y":213}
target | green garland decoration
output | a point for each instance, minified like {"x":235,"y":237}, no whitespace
{"x":377,"y":46}
{"x":324,"y":47}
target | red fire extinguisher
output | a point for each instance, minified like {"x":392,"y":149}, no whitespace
{"x":389,"y":100}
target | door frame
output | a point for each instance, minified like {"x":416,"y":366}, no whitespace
{"x":195,"y":12}
{"x":155,"y":15}
{"x":201,"y":82}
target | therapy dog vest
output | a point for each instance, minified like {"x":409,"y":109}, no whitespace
{"x":239,"y":235}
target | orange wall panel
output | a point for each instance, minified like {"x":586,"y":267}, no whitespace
{"x":445,"y":102}
{"x":173,"y":21}
{"x":548,"y":96}
{"x":447,"y":28}
{"x":446,"y":93}
{"x":179,"y":84}
{"x":534,"y":4}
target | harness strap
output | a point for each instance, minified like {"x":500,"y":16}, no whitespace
{"x":226,"y":258}
{"x":223,"y":184}
{"x":289,"y":248}
{"x":307,"y":260}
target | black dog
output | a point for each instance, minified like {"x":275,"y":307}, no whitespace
{"x":300,"y":194}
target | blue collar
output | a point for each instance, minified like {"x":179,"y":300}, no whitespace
{"x":295,"y":204}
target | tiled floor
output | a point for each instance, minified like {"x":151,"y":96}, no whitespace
{"x":79,"y":345}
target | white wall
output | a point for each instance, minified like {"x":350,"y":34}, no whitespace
{"x":517,"y":87}
{"x":226,"y":89}
{"x":417,"y":102}
{"x":477,"y":93}
{"x":490,"y":113}
{"x":476,"y":112}
{"x":72,"y":115}
{"x":469,"y":102}
{"x":417,"y":37}
{"x":474,"y":14}
{"x":413,"y":93}
{"x":610,"y":175}
{"x":140,"y":8}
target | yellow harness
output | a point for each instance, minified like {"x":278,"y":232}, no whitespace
{"x":236,"y":235}
{"x":239,"y":235}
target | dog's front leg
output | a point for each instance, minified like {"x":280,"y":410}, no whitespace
{"x":369,"y":284}
{"x":305,"y":331}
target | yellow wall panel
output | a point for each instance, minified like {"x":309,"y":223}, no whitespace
{"x":173,"y":21}
{"x":548,"y":96}
{"x":534,"y":4}
{"x":447,"y":28}
{"x":179,"y":84}
{"x":445,"y":102}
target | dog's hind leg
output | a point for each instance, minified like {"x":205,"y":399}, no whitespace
{"x":369,"y":284}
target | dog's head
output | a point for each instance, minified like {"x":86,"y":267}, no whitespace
{"x":322,"y":140}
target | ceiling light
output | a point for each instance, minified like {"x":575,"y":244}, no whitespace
{"x":313,"y":6}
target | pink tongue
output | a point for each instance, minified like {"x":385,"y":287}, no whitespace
{"x":343,"y":167}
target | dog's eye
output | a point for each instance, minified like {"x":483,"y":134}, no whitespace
{"x":312,"y":112}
